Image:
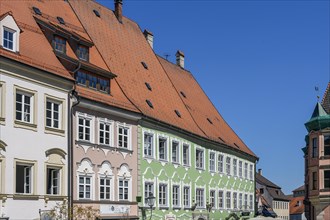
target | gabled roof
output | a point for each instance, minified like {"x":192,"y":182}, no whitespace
{"x":34,"y":49}
{"x":124,"y":48}
{"x":37,"y":51}
{"x":264,"y":181}
{"x":201,"y":108}
{"x":273,"y":189}
{"x":301,"y":188}
{"x":297,"y":205}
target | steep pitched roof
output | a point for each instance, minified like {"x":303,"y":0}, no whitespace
{"x":34,"y":49}
{"x":326,"y":99}
{"x":264,"y":181}
{"x":273,"y":189}
{"x":123,"y":47}
{"x":297,"y":205}
{"x":201,"y":108}
{"x":301,"y":188}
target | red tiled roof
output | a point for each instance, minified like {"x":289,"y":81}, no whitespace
{"x":297,"y":205}
{"x":123,"y":46}
{"x":201,"y":108}
{"x":35,"y":49}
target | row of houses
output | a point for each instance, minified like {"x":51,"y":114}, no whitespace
{"x":91,"y":116}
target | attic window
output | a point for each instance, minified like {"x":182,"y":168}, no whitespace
{"x":177,"y":113}
{"x":144,"y":65}
{"x":97,"y":13}
{"x":82,"y":52}
{"x":92,"y":81}
{"x":59,"y":44}
{"x":148,"y":86}
{"x":149,"y":103}
{"x":183,"y":94}
{"x":61,"y":20}
{"x":37,"y":10}
{"x":209,"y":120}
{"x":8,"y":39}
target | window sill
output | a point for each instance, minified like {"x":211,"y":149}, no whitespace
{"x":25,"y":197}
{"x":200,"y":169}
{"x":25,"y":125}
{"x":55,"y":131}
{"x":55,"y":197}
{"x":175,"y":163}
{"x":176,"y":208}
{"x":2,"y":121}
{"x":164,"y":208}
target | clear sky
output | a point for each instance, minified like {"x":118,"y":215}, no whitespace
{"x":258,"y":61}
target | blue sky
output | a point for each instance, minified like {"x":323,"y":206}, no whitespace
{"x":258,"y":61}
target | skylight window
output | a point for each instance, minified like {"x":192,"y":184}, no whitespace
{"x":177,"y":113}
{"x":61,"y":20}
{"x":148,"y":86}
{"x":37,"y":10}
{"x":236,"y":145}
{"x":183,"y":94}
{"x":149,"y":103}
{"x":209,"y":120}
{"x":144,"y":65}
{"x":97,"y":13}
{"x":221,"y":139}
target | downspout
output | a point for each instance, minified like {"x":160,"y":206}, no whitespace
{"x":72,"y":94}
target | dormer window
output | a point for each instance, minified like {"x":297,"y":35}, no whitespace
{"x":9,"y":33}
{"x":59,"y":44}
{"x":93,"y":81}
{"x":8,"y":38}
{"x":83,"y":52}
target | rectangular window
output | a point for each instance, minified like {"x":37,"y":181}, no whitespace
{"x":251,"y":202}
{"x":93,"y":81}
{"x":53,"y":181}
{"x":245,"y":170}
{"x":327,"y":179}
{"x":59,"y":44}
{"x":53,"y":114}
{"x":82,"y":52}
{"x":315,"y":148}
{"x":104,"y":133}
{"x":23,"y":179}
{"x":186,"y":197}
{"x":327,"y":145}
{"x":123,"y":189}
{"x":220,"y":200}
{"x":235,"y":200}
{"x":175,"y":152}
{"x":240,"y":169}
{"x":240,"y":201}
{"x":212,"y":162}
{"x":176,"y":195}
{"x":24,"y":107}
{"x":85,"y":187}
{"x":314,"y":179}
{"x":123,"y":136}
{"x":84,"y":128}
{"x":199,"y":159}
{"x":220,"y":163}
{"x":200,"y":198}
{"x":105,"y":188}
{"x":235,"y":167}
{"x":228,"y":200}
{"x":148,"y":144}
{"x":148,"y":191}
{"x":228,"y":162}
{"x":251,"y":172}
{"x":8,"y":38}
{"x":186,"y":155}
{"x":162,"y":195}
{"x":2,"y":101}
{"x":162,"y":148}
{"x":245,"y":201}
{"x":212,"y":198}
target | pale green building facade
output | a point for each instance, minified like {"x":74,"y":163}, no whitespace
{"x":187,"y":174}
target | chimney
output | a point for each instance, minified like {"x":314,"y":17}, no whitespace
{"x":180,"y":59}
{"x":119,"y":10}
{"x":149,"y":37}
{"x":260,"y":172}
